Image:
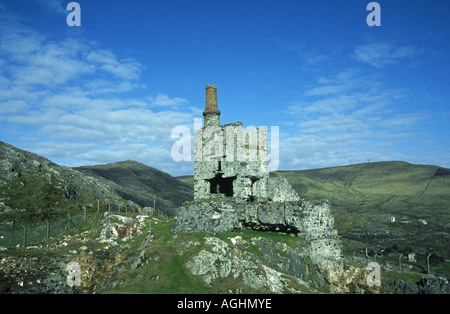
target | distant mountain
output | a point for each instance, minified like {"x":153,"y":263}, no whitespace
{"x":397,"y":188}
{"x":142,"y":184}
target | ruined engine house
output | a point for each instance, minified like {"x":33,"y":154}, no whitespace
{"x":233,"y":190}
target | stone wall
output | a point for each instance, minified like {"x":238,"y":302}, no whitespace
{"x":231,"y":162}
{"x":313,"y":220}
{"x":279,"y":190}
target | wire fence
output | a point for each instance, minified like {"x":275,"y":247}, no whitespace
{"x":13,"y":234}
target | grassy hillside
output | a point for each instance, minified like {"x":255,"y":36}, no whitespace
{"x":142,"y":184}
{"x":189,"y":180}
{"x":397,"y":188}
{"x":34,"y":189}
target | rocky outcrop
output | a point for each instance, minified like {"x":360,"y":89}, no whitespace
{"x":100,"y":255}
{"x":426,"y":285}
{"x":118,"y":227}
{"x":312,"y":221}
{"x":221,"y":261}
{"x":433,"y":285}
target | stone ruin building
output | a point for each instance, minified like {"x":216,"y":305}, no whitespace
{"x":233,"y":189}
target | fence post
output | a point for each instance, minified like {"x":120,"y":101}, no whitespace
{"x":84,"y":216}
{"x":98,"y":205}
{"x":24,"y":235}
{"x":69,"y":222}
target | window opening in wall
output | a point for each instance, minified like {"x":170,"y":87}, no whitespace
{"x":251,"y":197}
{"x":220,"y":185}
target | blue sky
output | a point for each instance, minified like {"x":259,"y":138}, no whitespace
{"x":113,"y":89}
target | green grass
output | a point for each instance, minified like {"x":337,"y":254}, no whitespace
{"x":38,"y":199}
{"x":410,"y":278}
{"x":166,"y":273}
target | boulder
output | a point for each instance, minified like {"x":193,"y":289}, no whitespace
{"x":433,"y":285}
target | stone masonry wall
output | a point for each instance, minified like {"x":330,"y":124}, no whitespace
{"x":228,"y":152}
{"x":311,"y":219}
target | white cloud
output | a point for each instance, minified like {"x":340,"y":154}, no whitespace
{"x":325,"y":90}
{"x":54,"y":5}
{"x":127,"y":69}
{"x":162,"y":100}
{"x":349,"y":117}
{"x":406,"y":120}
{"x":383,"y":54}
{"x":13,"y":107}
{"x":69,"y":101}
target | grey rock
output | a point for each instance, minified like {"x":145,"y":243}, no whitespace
{"x":401,"y":287}
{"x":219,"y":260}
{"x":433,"y":285}
{"x":71,"y":193}
{"x":146,"y":242}
{"x":138,"y":261}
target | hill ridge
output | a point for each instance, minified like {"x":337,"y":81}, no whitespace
{"x":144,"y":185}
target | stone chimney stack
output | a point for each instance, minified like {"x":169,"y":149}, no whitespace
{"x":211,"y":114}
